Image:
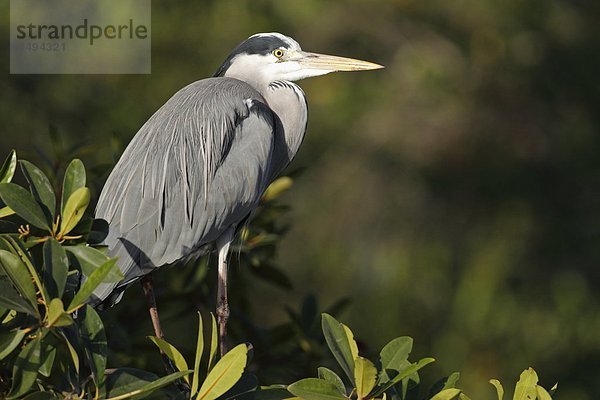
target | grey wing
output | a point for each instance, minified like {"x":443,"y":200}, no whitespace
{"x":198,"y":166}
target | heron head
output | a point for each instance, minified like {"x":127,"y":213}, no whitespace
{"x":268,"y":57}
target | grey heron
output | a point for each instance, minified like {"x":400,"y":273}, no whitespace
{"x":199,"y":165}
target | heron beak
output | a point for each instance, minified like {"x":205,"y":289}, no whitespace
{"x":325,"y":62}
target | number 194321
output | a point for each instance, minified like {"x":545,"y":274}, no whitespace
{"x":45,"y":46}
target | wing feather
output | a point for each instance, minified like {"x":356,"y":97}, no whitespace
{"x":198,"y":166}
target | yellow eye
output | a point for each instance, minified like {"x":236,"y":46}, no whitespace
{"x":278,"y":53}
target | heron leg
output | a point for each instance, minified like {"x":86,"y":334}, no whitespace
{"x":223,"y":243}
{"x":148,"y":287}
{"x":149,"y":293}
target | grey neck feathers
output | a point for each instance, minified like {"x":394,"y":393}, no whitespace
{"x":288,"y":102}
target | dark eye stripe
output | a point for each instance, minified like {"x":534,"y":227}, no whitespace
{"x":260,"y":45}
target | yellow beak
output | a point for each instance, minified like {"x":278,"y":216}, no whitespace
{"x":325,"y":62}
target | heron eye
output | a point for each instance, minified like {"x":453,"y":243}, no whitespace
{"x":278,"y":53}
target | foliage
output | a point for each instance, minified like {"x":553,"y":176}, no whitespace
{"x":220,"y":378}
{"x":51,"y":341}
{"x":526,"y":388}
{"x":53,"y":351}
{"x":392,"y":376}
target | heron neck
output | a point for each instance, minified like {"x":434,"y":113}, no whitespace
{"x":288,"y":102}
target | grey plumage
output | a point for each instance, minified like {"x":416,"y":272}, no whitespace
{"x":171,"y":193}
{"x":200,"y":164}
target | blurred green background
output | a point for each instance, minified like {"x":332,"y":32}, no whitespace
{"x":454,"y":196}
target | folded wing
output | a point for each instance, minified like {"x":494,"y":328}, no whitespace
{"x":198,"y":166}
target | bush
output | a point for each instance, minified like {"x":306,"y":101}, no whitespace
{"x":53,"y":345}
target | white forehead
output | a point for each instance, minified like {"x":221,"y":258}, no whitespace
{"x":292,"y":44}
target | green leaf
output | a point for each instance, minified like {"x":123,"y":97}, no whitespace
{"x":150,"y":387}
{"x":171,"y":351}
{"x":9,"y":341}
{"x":91,"y":283}
{"x":447,"y":394}
{"x":6,"y":212}
{"x":82,"y":230}
{"x":199,"y":351}
{"x":225,"y":373}
{"x":120,"y":381}
{"x":448,"y":382}
{"x":98,"y":231}
{"x":18,"y":247}
{"x":74,"y":179}
{"x":5,"y":244}
{"x":277,"y":188}
{"x":406,"y":373}
{"x":55,"y":268}
{"x":64,"y":320}
{"x":74,"y":209}
{"x":90,"y":259}
{"x":351,"y":342}
{"x":214,"y":342}
{"x":72,"y":351}
{"x":499,"y":388}
{"x":11,"y":299}
{"x":394,"y":358}
{"x":24,"y":205}
{"x":49,"y":355}
{"x":337,"y":341}
{"x":525,"y":388}
{"x":315,"y":389}
{"x":40,"y":187}
{"x":25,"y":369}
{"x":57,"y":315}
{"x":451,"y":380}
{"x":542,"y":394}
{"x":94,"y":341}
{"x":246,"y":384}
{"x":333,"y":378}
{"x":14,"y":268}
{"x":8,"y":167}
{"x":365,"y":374}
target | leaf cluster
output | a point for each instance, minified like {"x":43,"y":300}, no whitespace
{"x":223,"y":379}
{"x":391,"y":375}
{"x":54,"y":346}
